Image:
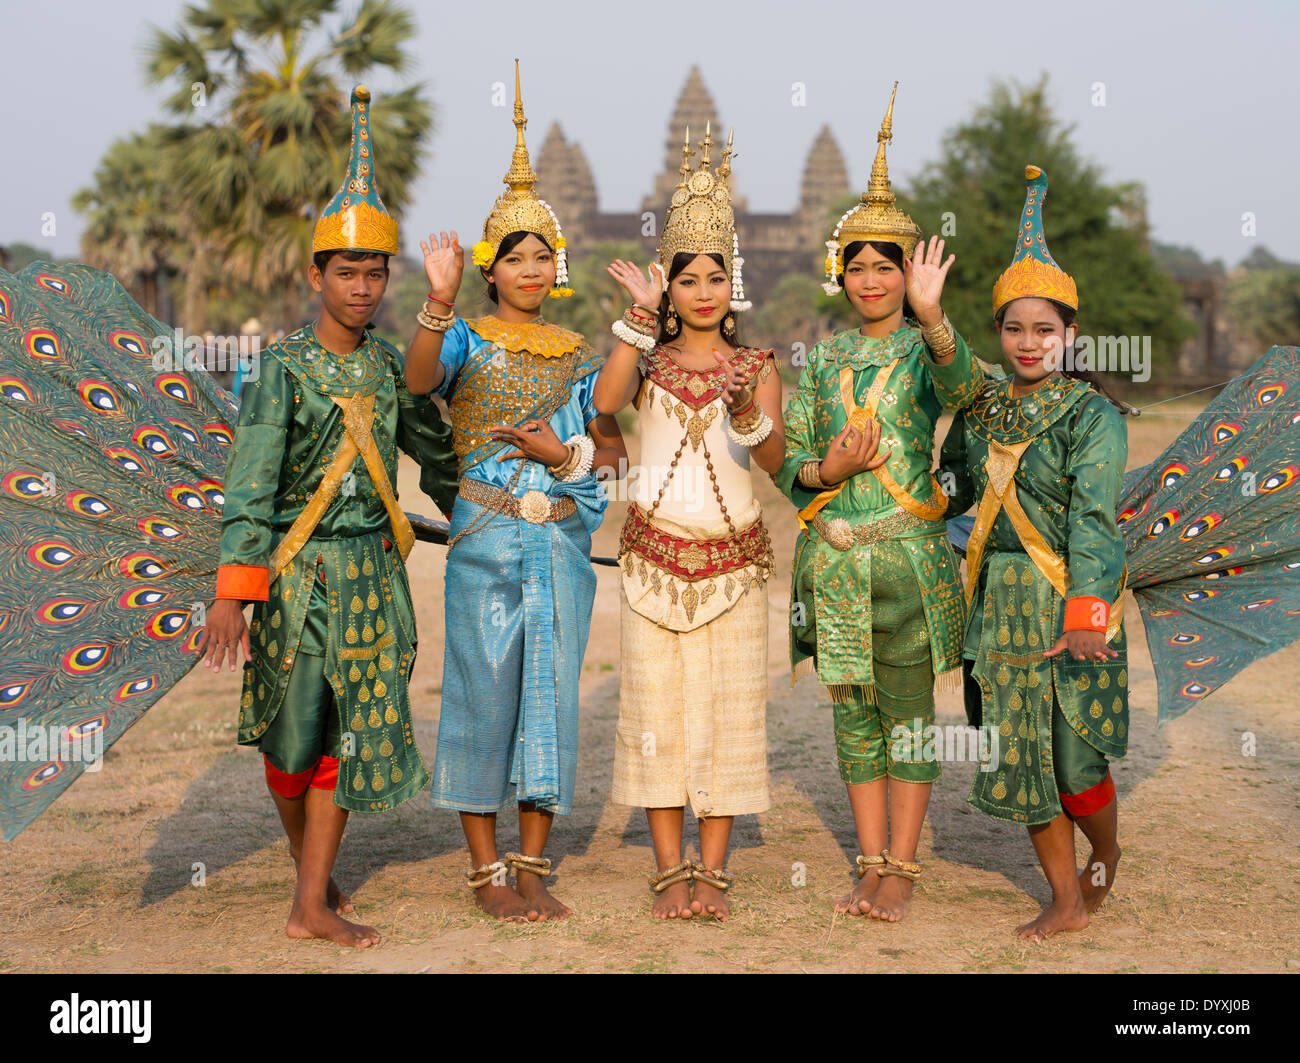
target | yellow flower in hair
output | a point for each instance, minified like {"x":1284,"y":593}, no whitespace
{"x":483,"y":254}
{"x":560,"y":245}
{"x":560,"y":293}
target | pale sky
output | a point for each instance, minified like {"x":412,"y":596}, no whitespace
{"x":1200,"y":97}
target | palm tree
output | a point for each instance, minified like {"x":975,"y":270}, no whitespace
{"x":135,"y":220}
{"x":268,"y":145}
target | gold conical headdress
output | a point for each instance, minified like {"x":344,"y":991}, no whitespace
{"x":874,"y":217}
{"x":520,"y":210}
{"x":700,"y":217}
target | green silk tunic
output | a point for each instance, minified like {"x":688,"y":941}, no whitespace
{"x":289,"y":430}
{"x":831,"y":589}
{"x":1068,"y":482}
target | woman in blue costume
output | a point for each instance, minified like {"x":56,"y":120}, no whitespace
{"x":519,"y":586}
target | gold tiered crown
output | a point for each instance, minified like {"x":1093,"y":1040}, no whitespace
{"x":874,"y":216}
{"x":700,"y":219}
{"x":519,"y":209}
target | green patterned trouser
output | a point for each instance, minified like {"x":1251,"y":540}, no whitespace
{"x":879,"y":730}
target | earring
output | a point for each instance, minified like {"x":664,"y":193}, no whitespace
{"x":672,"y":318}
{"x":729,"y":324}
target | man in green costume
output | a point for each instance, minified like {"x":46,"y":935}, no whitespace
{"x":312,"y":533}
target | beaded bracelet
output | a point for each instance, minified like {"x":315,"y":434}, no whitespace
{"x":633,"y":336}
{"x":582,"y":454}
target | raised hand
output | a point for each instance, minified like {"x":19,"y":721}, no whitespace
{"x":536,"y":441}
{"x":924,"y":277}
{"x":444,"y":264}
{"x":736,"y":393}
{"x":646,"y":293}
{"x":852,"y":452}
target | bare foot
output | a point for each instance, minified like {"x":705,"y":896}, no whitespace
{"x":1097,"y":877}
{"x":893,"y":899}
{"x":534,"y":893}
{"x":501,"y":902}
{"x":673,"y":903}
{"x":306,"y":921}
{"x":1055,"y":918}
{"x":709,"y":900}
{"x":860,"y":900}
{"x":334,"y":897}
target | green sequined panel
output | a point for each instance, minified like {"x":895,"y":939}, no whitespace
{"x":1015,"y":679}
{"x":1020,"y":689}
{"x":370,"y":649}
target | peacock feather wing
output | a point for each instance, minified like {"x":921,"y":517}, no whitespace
{"x":1212,"y":535}
{"x":112,"y":457}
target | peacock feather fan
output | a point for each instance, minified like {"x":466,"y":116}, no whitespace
{"x":112,"y":458}
{"x":1212,"y":535}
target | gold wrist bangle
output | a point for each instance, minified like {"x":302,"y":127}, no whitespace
{"x":570,"y":459}
{"x":940,"y":338}
{"x":751,"y":420}
{"x":435,"y":322}
{"x":810,"y":475}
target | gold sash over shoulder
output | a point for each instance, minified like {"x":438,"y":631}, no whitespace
{"x":858,"y":415}
{"x":358,"y":417}
{"x":1000,"y":494}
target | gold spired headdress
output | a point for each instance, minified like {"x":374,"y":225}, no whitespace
{"x":356,"y":218}
{"x":519,"y":210}
{"x":1033,"y":272}
{"x":700,"y":217}
{"x":874,"y":217}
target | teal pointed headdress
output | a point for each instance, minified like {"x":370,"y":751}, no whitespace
{"x":1033,"y":272}
{"x":356,"y":218}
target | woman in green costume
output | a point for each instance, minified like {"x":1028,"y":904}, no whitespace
{"x":1043,"y":456}
{"x":876,"y":602}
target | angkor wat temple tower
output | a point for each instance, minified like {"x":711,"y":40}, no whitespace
{"x":772,"y":244}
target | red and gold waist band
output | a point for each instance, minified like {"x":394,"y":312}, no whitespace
{"x":692,"y":559}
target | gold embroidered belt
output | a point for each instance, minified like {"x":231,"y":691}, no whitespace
{"x":536,"y":507}
{"x":843,"y":535}
{"x":695,"y":559}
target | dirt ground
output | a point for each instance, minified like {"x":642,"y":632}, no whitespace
{"x":106,"y":880}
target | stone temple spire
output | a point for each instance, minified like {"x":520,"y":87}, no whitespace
{"x":565,"y":181}
{"x":825,"y":184}
{"x":695,"y":108}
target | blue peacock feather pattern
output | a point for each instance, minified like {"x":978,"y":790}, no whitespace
{"x":110,"y":510}
{"x":1212,"y":535}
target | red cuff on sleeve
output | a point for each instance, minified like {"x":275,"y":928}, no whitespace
{"x":248,"y":583}
{"x":1081,"y":614}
